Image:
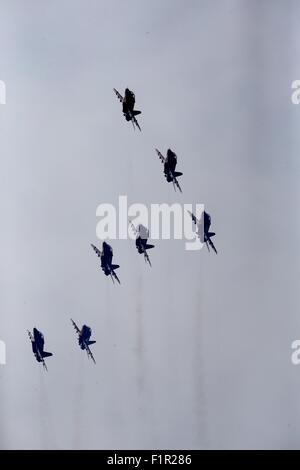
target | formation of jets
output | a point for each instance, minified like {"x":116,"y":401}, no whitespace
{"x":141,"y":233}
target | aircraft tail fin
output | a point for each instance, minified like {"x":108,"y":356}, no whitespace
{"x":148,"y":247}
{"x":178,"y":173}
{"x":91,"y":342}
{"x":46,"y":354}
{"x":115,"y":266}
{"x":136,"y":113}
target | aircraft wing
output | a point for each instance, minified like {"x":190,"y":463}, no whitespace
{"x":30,"y":336}
{"x":75,"y":326}
{"x":43,"y":362}
{"x":89,"y":353}
{"x":133,"y":228}
{"x":113,"y":275}
{"x":135,"y":122}
{"x":175,"y":182}
{"x":194,"y":218}
{"x":41,"y":359}
{"x":120,"y":97}
{"x":97,"y":251}
{"x":161,"y":157}
{"x":147,"y":259}
{"x":212,"y":245}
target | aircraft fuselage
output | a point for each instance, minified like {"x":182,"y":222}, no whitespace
{"x":170,"y":166}
{"x":106,"y":258}
{"x":128,"y":105}
{"x":84,"y":336}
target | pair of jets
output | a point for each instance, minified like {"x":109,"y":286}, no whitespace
{"x":142,"y":245}
{"x":106,"y":254}
{"x":38,"y":342}
{"x":170,"y":161}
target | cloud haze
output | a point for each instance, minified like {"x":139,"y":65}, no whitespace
{"x":195,"y":352}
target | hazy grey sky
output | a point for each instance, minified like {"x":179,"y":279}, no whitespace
{"x":195,"y":352}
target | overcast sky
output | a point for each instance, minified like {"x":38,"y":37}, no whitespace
{"x":195,"y":352}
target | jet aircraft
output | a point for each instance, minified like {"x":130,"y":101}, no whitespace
{"x":128,"y":102}
{"x":37,"y":343}
{"x":170,"y":162}
{"x":106,"y":256}
{"x":142,"y":235}
{"x":203,"y":226}
{"x":84,"y":339}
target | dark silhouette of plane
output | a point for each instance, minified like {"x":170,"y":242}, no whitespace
{"x":84,"y":339}
{"x":37,"y":343}
{"x":106,"y":256}
{"x":142,"y":235}
{"x":170,"y":162}
{"x":128,"y":103}
{"x":203,"y":232}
